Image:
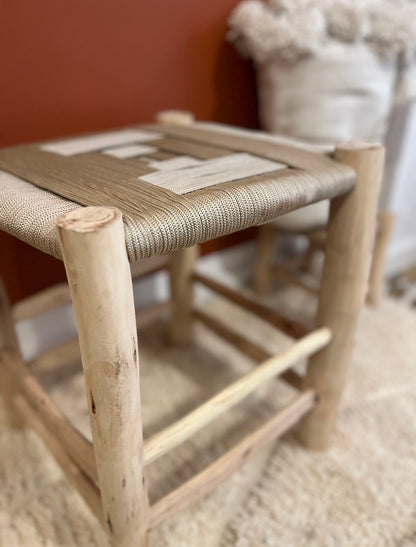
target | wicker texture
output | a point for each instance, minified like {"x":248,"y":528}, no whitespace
{"x":38,"y":185}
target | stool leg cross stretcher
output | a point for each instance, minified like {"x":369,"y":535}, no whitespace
{"x":110,"y":473}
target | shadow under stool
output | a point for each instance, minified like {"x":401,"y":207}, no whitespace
{"x":101,"y":201}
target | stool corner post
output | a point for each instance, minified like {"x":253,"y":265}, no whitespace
{"x":349,"y":244}
{"x":181,"y":269}
{"x":9,"y":342}
{"x":262,"y":275}
{"x":99,"y":277}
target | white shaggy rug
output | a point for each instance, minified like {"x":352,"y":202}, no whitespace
{"x":361,"y":492}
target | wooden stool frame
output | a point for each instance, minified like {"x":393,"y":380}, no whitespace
{"x":289,"y":272}
{"x":110,"y":472}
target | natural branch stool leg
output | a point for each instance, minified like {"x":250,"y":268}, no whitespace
{"x":384,"y":230}
{"x":349,"y":242}
{"x":316,"y":241}
{"x":94,"y":253}
{"x":264,"y":259}
{"x":181,"y":286}
{"x":8,"y":340}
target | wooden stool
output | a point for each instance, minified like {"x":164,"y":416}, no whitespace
{"x":176,"y":184}
{"x":310,"y":223}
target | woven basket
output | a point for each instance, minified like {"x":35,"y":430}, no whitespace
{"x":345,"y":92}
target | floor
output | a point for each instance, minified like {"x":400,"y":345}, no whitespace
{"x":361,"y":492}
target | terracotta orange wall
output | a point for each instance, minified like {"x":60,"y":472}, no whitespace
{"x":74,"y":65}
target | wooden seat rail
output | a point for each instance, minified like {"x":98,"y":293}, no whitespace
{"x":288,"y":326}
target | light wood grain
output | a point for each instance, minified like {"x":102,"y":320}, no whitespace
{"x":94,"y":253}
{"x":171,"y":436}
{"x":222,"y":468}
{"x":288,"y":326}
{"x":181,"y":288}
{"x":349,"y":243}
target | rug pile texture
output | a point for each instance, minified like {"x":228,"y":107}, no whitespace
{"x":361,"y":492}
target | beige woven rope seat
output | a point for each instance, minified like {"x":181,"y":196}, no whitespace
{"x":176,"y":186}
{"x":100,"y":201}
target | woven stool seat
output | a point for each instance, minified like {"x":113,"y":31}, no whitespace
{"x":176,"y":186}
